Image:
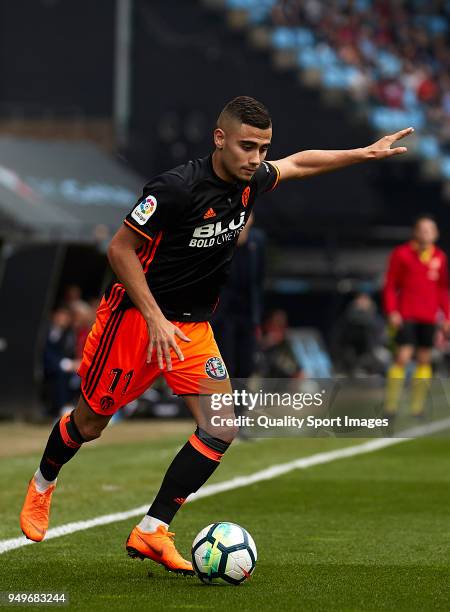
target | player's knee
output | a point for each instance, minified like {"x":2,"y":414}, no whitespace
{"x":403,"y":357}
{"x":423,"y":357}
{"x":229,"y":433}
{"x":90,"y":431}
{"x":90,"y":428}
{"x":402,"y":363}
{"x":89,"y":424}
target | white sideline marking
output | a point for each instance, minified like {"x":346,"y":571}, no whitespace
{"x":241,"y":481}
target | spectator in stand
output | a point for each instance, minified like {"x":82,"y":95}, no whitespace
{"x":83,"y":317}
{"x":69,"y":327}
{"x":59,"y":361}
{"x":71,"y":294}
{"x":358,"y":337}
{"x":279,"y":360}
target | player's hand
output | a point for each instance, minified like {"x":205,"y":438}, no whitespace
{"x":161,"y":333}
{"x":395,"y":319}
{"x":382,"y":148}
{"x":446,"y":328}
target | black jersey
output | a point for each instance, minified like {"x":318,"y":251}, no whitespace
{"x":191,"y":219}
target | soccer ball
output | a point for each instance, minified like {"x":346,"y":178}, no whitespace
{"x":224,"y":552}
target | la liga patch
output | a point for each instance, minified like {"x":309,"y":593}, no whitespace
{"x":215,"y":368}
{"x":144,"y":210}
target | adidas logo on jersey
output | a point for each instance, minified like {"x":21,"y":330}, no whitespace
{"x":209,"y":213}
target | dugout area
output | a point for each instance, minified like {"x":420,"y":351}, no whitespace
{"x":60,"y":203}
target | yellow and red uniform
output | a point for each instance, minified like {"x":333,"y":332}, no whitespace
{"x":417,"y":283}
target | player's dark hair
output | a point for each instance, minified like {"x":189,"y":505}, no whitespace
{"x":247,"y":110}
{"x":424,"y":217}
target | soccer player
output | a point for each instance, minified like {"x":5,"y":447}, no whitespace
{"x":171,"y":256}
{"x":416,"y":288}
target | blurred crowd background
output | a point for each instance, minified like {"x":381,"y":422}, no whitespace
{"x":391,"y":57}
{"x":98,"y":97}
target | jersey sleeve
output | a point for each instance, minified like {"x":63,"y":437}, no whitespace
{"x":266,"y":178}
{"x":392,"y":282}
{"x":443,"y":288}
{"x":160,"y":207}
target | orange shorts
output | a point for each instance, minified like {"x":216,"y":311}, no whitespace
{"x":114,"y":370}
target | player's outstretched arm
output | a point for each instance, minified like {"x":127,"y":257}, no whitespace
{"x":310,"y":163}
{"x":127,"y":267}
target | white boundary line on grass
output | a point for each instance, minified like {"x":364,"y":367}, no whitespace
{"x":241,"y":481}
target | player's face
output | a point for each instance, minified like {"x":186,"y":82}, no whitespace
{"x":426,"y":232}
{"x":243,"y":148}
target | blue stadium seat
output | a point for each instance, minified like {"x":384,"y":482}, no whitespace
{"x":283,"y":38}
{"x":340,"y":77}
{"x":257,"y":9}
{"x":290,"y":38}
{"x":388,"y":119}
{"x":410,"y":100}
{"x":428,"y":147}
{"x":304,"y":37}
{"x":307,"y":58}
{"x":388,"y":64}
{"x":445,"y":167}
{"x":326,"y":55}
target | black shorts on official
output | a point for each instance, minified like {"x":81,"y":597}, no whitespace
{"x":416,"y":334}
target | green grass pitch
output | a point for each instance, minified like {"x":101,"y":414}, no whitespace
{"x":370,"y":532}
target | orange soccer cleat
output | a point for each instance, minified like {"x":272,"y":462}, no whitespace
{"x":35,"y":512}
{"x":159,"y":547}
